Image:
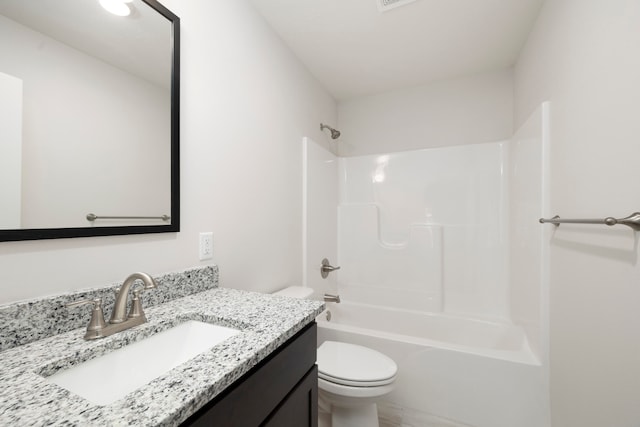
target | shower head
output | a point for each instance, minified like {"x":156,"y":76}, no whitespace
{"x":335,"y":134}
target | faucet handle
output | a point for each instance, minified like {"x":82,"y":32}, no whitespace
{"x":97,"y":302}
{"x":136,"y":305}
{"x":97,"y":322}
{"x":326,"y":268}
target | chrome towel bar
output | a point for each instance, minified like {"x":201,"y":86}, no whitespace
{"x":92,"y":217}
{"x":632,"y":221}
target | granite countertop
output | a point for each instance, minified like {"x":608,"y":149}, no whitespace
{"x":266,"y":322}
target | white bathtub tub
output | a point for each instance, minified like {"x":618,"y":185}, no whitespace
{"x":453,"y":371}
{"x":492,"y":339}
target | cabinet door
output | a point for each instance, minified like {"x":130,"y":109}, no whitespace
{"x":300,"y":407}
{"x":260,"y":392}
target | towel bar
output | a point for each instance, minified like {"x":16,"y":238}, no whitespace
{"x":92,"y":217}
{"x":632,"y":221}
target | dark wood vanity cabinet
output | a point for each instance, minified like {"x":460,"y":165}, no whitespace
{"x":281,"y":391}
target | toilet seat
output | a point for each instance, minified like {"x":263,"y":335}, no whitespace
{"x":351,"y":383}
{"x":347,"y":392}
{"x":353,"y":365}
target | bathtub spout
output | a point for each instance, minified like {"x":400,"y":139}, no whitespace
{"x":331,"y":298}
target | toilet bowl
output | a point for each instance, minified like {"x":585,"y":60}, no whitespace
{"x":351,"y":378}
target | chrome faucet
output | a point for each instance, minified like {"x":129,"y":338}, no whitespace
{"x":120,"y":306}
{"x":119,"y":322}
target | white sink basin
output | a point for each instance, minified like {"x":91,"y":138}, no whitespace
{"x":110,"y":377}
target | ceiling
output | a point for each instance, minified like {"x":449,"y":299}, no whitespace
{"x":354,"y":49}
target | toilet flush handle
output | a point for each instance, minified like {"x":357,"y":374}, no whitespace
{"x":327,"y":268}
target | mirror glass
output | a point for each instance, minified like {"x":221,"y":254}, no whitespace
{"x":88,"y":118}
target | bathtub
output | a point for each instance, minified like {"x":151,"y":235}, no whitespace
{"x":484,"y":338}
{"x":453,"y":371}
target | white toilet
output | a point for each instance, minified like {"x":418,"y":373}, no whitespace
{"x":351,"y":378}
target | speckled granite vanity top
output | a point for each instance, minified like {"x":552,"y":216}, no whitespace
{"x":266,"y":322}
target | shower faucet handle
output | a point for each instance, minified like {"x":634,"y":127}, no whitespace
{"x":327,"y":268}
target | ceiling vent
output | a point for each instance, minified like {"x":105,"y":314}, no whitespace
{"x":385,"y":5}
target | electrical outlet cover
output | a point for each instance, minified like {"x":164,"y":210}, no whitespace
{"x":206,"y":246}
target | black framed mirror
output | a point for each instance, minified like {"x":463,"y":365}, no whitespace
{"x":89,"y":118}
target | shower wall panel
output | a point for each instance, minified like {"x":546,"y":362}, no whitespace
{"x":320,"y":199}
{"x":426,"y":230}
{"x":528,"y":251}
{"x":403,"y":274}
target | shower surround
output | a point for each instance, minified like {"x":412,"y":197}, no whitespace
{"x":424,"y":230}
{"x":443,"y":267}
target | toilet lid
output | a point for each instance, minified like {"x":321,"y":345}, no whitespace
{"x":354,"y":365}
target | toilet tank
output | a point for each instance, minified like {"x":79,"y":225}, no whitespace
{"x":295,"y":292}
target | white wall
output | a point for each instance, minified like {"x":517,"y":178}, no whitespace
{"x":246,"y":104}
{"x":465,"y":110}
{"x":583,"y":57}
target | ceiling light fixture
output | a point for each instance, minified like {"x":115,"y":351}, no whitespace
{"x":117,"y":7}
